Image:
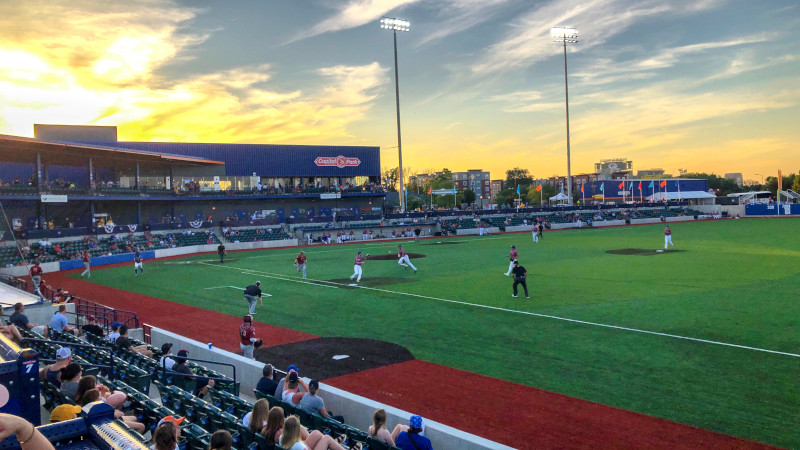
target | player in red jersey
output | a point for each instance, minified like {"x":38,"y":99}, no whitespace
{"x":87,"y":263}
{"x":357,"y":267}
{"x":36,"y":277}
{"x":403,"y":259}
{"x":668,"y":238}
{"x":247,"y":336}
{"x":300,"y":263}
{"x":512,"y":255}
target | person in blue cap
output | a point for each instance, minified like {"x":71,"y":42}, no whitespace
{"x":512,"y":255}
{"x":279,"y":389}
{"x":413,"y":438}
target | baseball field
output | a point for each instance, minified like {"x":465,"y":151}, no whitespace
{"x":706,"y":334}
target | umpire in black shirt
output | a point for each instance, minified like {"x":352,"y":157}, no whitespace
{"x":520,"y":275}
{"x":250,"y":294}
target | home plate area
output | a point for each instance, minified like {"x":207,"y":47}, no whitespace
{"x":331,"y":357}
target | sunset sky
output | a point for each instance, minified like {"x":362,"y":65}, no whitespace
{"x":703,"y":85}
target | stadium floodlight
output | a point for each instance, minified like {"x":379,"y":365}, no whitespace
{"x":388,"y":23}
{"x":566,"y":35}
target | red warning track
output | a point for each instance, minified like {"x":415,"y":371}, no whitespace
{"x":515,"y":415}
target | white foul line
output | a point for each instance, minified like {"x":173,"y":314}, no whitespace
{"x":268,"y":275}
{"x":547,"y":316}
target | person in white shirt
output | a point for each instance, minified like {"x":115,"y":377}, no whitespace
{"x":165,"y":360}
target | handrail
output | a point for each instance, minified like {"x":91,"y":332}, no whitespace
{"x":163,"y":367}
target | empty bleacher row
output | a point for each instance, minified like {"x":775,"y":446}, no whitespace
{"x":255,"y":234}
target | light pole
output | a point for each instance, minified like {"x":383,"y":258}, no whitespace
{"x":396,"y":25}
{"x":566,"y":35}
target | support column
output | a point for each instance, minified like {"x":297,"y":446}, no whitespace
{"x":91,"y":173}
{"x":137,"y":175}
{"x":139,"y":207}
{"x":38,"y":170}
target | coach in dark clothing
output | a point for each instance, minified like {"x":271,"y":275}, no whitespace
{"x":267,"y":383}
{"x":201,"y":388}
{"x":250,"y":294}
{"x":519,"y":278}
{"x":221,"y":252}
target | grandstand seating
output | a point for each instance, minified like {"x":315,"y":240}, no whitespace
{"x":257,"y":234}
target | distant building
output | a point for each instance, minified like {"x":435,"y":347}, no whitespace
{"x":735,"y":176}
{"x":477,"y":180}
{"x":495,"y":186}
{"x":606,"y":167}
{"x":421,"y":179}
{"x":651,"y":173}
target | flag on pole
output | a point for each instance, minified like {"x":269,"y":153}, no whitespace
{"x":454,"y":190}
{"x":539,"y":188}
{"x":663,"y":184}
{"x":581,"y":189}
{"x":430,"y":191}
{"x":651,"y":184}
{"x":631,"y":187}
{"x":517,"y":189}
{"x":621,"y":185}
{"x":601,"y":187}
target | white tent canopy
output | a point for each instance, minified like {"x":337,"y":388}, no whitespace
{"x":558,"y":197}
{"x":700,"y":197}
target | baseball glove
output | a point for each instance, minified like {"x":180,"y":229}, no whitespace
{"x":258,"y":343}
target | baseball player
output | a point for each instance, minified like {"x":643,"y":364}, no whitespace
{"x":668,"y":238}
{"x":535,"y":233}
{"x":221,"y":253}
{"x":357,"y":267}
{"x":403,"y":259}
{"x":300,"y":263}
{"x":250,"y":294}
{"x":512,"y":256}
{"x":87,"y":263}
{"x":247,"y":335}
{"x":541,"y":231}
{"x":36,"y":277}
{"x":137,"y":264}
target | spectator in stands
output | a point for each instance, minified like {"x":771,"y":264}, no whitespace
{"x":70,"y":376}
{"x":291,"y":438}
{"x":59,"y":322}
{"x":201,"y":389}
{"x":123,"y":342}
{"x":256,"y":419}
{"x":64,"y":412}
{"x":313,"y":404}
{"x":88,"y":382}
{"x":20,"y":320}
{"x":267,"y":382}
{"x":114,"y":332}
{"x":52,"y":373}
{"x":92,"y":327}
{"x":291,"y":389}
{"x":95,"y":395}
{"x":221,"y":440}
{"x":165,"y":436}
{"x":165,"y":360}
{"x":378,"y":429}
{"x":282,"y":382}
{"x":29,"y":437}
{"x":62,"y":296}
{"x":412,"y":439}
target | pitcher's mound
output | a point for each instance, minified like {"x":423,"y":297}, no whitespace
{"x":393,"y":257}
{"x":641,"y":251}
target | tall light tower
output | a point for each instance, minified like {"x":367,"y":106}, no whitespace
{"x":396,"y":25}
{"x":566,"y":35}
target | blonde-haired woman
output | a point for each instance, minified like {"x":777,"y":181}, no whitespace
{"x":291,"y":439}
{"x":378,"y":429}
{"x":256,"y":420}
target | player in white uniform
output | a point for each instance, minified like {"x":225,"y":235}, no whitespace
{"x":535,"y":233}
{"x":512,"y":255}
{"x":357,"y":267}
{"x":137,"y":264}
{"x":404,"y":260}
{"x":668,"y":238}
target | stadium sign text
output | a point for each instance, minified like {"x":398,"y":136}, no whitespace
{"x":338,"y":161}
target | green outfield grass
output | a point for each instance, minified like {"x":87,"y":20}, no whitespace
{"x":734,"y":282}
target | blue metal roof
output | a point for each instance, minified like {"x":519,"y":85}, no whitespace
{"x":269,"y":160}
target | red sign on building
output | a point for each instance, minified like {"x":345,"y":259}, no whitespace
{"x":338,"y":161}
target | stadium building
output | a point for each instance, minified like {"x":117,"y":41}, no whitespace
{"x":72,"y":175}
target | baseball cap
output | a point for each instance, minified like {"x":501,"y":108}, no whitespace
{"x":416,"y":422}
{"x":90,"y":318}
{"x":258,"y":283}
{"x":63,"y":353}
{"x":359,"y":253}
{"x":64,"y":412}
{"x":116,"y":324}
{"x":167,"y":346}
{"x":183,"y":352}
{"x":516,"y":262}
{"x":513,"y":246}
{"x":175,"y":420}
{"x":293,"y":367}
{"x":293,"y":376}
{"x":248,"y":318}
